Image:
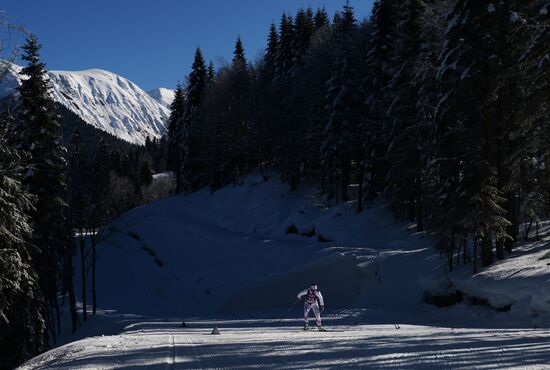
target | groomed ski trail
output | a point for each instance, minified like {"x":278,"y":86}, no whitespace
{"x":251,"y":344}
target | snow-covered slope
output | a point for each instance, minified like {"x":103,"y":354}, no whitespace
{"x":226,"y":260}
{"x":104,"y":100}
{"x":10,"y":80}
{"x":519,"y":284}
{"x":230,"y":251}
{"x":163,"y":96}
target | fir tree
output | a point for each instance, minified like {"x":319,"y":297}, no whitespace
{"x":342,"y":142}
{"x":211,"y":72}
{"x":285,"y":55}
{"x":381,"y":67}
{"x":22,"y":325}
{"x":40,"y":136}
{"x":78,"y":200}
{"x":99,"y":209}
{"x":174,"y":133}
{"x":303,"y":32}
{"x":145,"y":174}
{"x":196,"y":84}
{"x":270,"y":59}
{"x":321,"y":19}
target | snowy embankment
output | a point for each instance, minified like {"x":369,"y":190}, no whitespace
{"x":518,"y":285}
{"x":236,"y":258}
{"x":252,"y":247}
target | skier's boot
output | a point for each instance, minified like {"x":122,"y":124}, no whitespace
{"x":306,"y":327}
{"x":320,"y":328}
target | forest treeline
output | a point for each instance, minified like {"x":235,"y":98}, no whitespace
{"x":438,"y":107}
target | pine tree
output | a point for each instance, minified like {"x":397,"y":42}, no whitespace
{"x":285,"y":55}
{"x":381,"y":68}
{"x":342,"y":142}
{"x":303,"y":32}
{"x":211,"y":72}
{"x":196,"y":83}
{"x":475,"y":63}
{"x":22,"y":325}
{"x":78,"y":201}
{"x":270,"y":59}
{"x":238,"y":123}
{"x":407,"y":153}
{"x":174,"y":133}
{"x":321,"y":19}
{"x":146,"y":174}
{"x":40,"y":136}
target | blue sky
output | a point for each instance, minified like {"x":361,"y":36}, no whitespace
{"x":152,"y":42}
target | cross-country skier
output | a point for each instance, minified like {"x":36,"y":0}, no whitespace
{"x":313,"y":301}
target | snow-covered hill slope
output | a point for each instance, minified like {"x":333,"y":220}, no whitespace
{"x":104,"y":100}
{"x":163,"y":96}
{"x":236,"y":258}
{"x":230,"y":251}
{"x":519,"y":284}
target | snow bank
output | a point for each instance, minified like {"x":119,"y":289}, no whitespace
{"x":519,"y":284}
{"x":230,"y":250}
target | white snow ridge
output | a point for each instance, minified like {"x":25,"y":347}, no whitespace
{"x":103,"y":99}
{"x":163,"y":96}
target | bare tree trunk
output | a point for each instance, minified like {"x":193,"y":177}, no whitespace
{"x":528,"y":230}
{"x":94,"y":295}
{"x":474,"y":257}
{"x":419,"y":206}
{"x":500,"y":248}
{"x":70,"y":285}
{"x":512,"y":230}
{"x":450,"y":253}
{"x":360,"y":195}
{"x":458,"y":255}
{"x":486,"y":250}
{"x":57,"y":315}
{"x":345,"y":180}
{"x":464,"y":251}
{"x":82,"y":243}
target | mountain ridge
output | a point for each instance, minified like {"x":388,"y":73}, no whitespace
{"x":103,"y":99}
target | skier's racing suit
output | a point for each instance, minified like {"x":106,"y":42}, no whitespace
{"x":314,"y":299}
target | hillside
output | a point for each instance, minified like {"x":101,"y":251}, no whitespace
{"x":212,"y":252}
{"x":234,"y":259}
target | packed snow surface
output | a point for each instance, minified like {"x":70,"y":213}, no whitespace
{"x":103,"y":99}
{"x":261,"y":344}
{"x":235,"y":259}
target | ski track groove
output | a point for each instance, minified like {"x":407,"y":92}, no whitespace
{"x":171,"y":361}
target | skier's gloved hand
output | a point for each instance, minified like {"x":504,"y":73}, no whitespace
{"x":322,"y":308}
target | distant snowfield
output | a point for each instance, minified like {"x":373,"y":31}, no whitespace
{"x":102,"y":99}
{"x":225,"y":259}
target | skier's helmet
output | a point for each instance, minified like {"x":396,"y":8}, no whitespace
{"x":313,"y":286}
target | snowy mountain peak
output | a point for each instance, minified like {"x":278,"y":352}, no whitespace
{"x":162,"y":95}
{"x":104,"y":100}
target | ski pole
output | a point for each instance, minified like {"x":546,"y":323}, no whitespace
{"x":286,"y":313}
